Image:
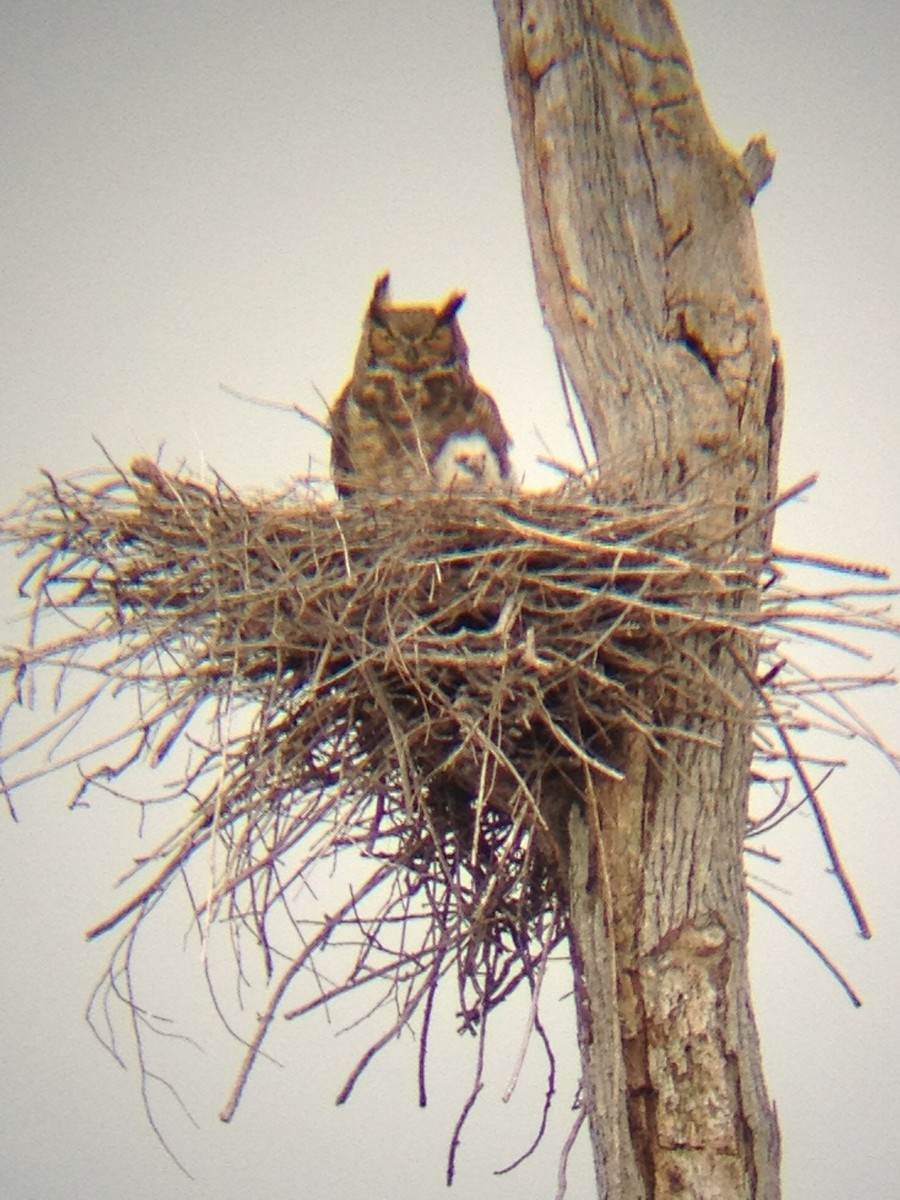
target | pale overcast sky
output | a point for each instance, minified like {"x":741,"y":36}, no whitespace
{"x":196,"y":192}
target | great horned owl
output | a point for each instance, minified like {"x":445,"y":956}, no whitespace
{"x":411,"y":392}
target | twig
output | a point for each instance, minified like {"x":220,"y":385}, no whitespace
{"x":805,"y":937}
{"x":281,"y":406}
{"x":570,"y":410}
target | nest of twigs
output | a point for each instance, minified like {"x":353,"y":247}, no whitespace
{"x":422,"y":682}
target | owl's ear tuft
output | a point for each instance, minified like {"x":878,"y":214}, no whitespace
{"x":450,"y":308}
{"x":379,"y":300}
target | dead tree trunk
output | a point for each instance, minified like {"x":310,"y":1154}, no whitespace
{"x":650,"y":283}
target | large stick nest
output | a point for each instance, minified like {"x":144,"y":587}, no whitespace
{"x":428,"y":682}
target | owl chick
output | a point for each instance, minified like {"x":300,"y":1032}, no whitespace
{"x":467,"y":463}
{"x":410,"y":392}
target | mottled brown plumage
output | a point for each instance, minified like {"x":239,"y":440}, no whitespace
{"x":410,"y":391}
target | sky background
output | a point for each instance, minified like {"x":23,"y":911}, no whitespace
{"x":202,"y":193}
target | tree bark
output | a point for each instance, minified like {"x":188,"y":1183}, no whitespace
{"x":650,"y":283}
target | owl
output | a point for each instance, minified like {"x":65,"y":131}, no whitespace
{"x":467,"y":463}
{"x":411,"y":393}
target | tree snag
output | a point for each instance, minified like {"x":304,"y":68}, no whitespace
{"x":650,"y":283}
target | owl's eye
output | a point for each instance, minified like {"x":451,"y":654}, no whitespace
{"x":441,"y":340}
{"x":382,"y":340}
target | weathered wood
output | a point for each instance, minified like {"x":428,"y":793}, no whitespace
{"x":643,"y":243}
{"x":650,"y":282}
